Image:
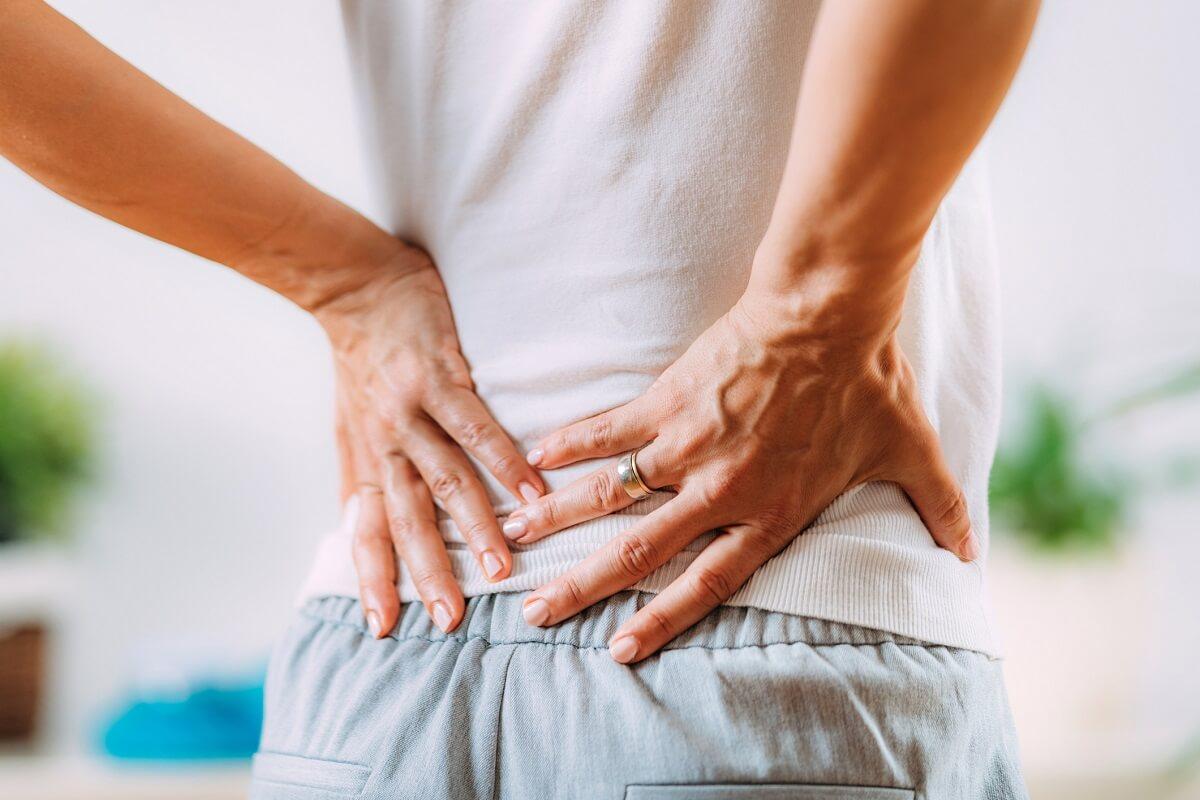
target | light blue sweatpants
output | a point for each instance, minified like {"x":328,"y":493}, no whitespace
{"x":748,"y":704}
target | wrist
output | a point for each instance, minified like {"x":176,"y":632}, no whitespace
{"x":811,"y":298}
{"x":325,"y":251}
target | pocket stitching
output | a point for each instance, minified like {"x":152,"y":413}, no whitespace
{"x":672,"y":791}
{"x":347,"y":778}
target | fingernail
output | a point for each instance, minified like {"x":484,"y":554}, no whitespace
{"x":441,"y":616}
{"x":528,"y":492}
{"x":374,"y":623}
{"x":968,"y":548}
{"x":350,"y":515}
{"x":623,"y":650}
{"x":515,"y":527}
{"x":491,"y":565}
{"x":535,"y":456}
{"x":536,"y":611}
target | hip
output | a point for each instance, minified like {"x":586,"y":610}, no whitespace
{"x":745,"y":699}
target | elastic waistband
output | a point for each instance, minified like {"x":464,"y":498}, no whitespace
{"x":496,"y":619}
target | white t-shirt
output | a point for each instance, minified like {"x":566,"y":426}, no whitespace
{"x":592,"y":180}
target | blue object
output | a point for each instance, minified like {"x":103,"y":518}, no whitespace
{"x":208,"y":723}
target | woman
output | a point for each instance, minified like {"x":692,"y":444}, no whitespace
{"x":736,"y":252}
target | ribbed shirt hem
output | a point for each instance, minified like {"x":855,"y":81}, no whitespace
{"x":872,"y":564}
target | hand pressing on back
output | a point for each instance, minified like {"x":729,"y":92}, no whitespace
{"x":407,"y":416}
{"x":783,"y":404}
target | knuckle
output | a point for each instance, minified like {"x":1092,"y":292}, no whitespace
{"x":551,"y":512}
{"x":599,"y":490}
{"x":600,"y":433}
{"x":572,"y":592}
{"x":951,"y":512}
{"x":445,"y":484}
{"x":476,"y":530}
{"x":710,"y":587}
{"x":474,"y":433}
{"x":386,"y":406}
{"x":686,"y":447}
{"x":448,"y":365}
{"x":401,"y":526}
{"x":656,"y":619}
{"x":718,"y":489}
{"x":507,"y":465}
{"x":635,"y":555}
{"x":777,"y":520}
{"x":393,"y":414}
{"x":404,"y":380}
{"x":428,"y":581}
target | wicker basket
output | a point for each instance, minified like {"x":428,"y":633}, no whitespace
{"x":22,"y":665}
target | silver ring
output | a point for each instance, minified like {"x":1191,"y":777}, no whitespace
{"x":630,"y":478}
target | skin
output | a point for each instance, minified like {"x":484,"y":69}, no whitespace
{"x":801,"y":391}
{"x":91,"y":127}
{"x":798,"y":393}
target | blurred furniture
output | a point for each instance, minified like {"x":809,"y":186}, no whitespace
{"x":32,"y":778}
{"x":32,"y":578}
{"x":22,"y":670}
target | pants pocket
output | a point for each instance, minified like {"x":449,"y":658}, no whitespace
{"x":763,"y":791}
{"x":277,"y":775}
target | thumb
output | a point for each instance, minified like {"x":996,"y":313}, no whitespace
{"x":939,"y":500}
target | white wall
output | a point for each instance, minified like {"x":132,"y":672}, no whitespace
{"x":1094,"y":173}
{"x":219,"y":466}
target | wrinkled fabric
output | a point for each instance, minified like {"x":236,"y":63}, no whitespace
{"x":746,"y":704}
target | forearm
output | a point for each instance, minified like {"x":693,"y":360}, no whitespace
{"x":894,"y":99}
{"x":91,"y":127}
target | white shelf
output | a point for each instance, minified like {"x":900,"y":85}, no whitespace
{"x":33,"y":580}
{"x":34,"y":778}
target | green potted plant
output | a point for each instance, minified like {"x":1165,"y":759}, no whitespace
{"x":1049,"y":491}
{"x":1068,"y":571}
{"x":46,"y":441}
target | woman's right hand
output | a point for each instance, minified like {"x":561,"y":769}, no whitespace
{"x":407,"y":410}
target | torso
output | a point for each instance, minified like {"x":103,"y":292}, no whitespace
{"x":592,"y":180}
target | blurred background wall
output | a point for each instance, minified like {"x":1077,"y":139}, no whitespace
{"x":218,"y":470}
{"x":1094,"y":169}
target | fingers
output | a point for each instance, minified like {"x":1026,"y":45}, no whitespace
{"x":445,"y":470}
{"x":462,"y":415}
{"x":374,"y":560}
{"x":365,"y":521}
{"x":594,"y":495}
{"x":624,"y":561}
{"x":939,"y":500}
{"x":415,"y":535}
{"x":607,"y":434}
{"x":710,"y":580}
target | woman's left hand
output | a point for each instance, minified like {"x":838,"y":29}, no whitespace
{"x":758,"y":427}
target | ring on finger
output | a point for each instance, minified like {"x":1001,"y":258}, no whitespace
{"x":368,"y":488}
{"x":631,"y":480}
